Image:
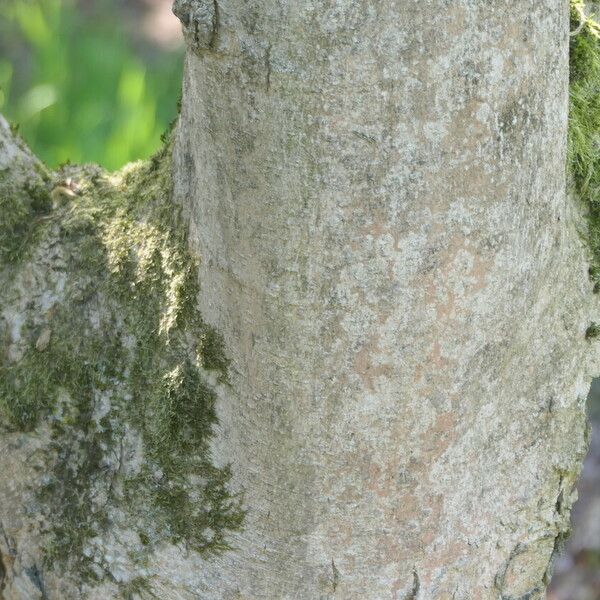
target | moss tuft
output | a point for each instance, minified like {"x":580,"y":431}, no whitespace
{"x":593,"y":331}
{"x":120,"y":358}
{"x":22,"y":210}
{"x":584,"y":125}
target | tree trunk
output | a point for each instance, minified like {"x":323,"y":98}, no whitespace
{"x":376,"y":193}
{"x":378,"y":197}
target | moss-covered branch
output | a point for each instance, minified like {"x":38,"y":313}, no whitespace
{"x":104,"y":342}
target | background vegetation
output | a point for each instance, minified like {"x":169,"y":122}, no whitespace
{"x":82,"y":82}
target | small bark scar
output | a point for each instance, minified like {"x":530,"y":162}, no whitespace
{"x":200,"y":21}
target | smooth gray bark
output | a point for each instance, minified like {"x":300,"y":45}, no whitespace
{"x":377,"y":192}
{"x":377,"y":195}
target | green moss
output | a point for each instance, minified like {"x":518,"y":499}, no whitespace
{"x":128,"y":355}
{"x":593,"y":331}
{"x":584,"y":126}
{"x":21,"y":209}
{"x":136,"y":588}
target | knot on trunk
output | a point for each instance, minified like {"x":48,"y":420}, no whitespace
{"x":525,"y":573}
{"x":200,"y":20}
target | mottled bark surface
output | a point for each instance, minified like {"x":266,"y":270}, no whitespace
{"x":376,"y":193}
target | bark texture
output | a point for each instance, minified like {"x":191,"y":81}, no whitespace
{"x":376,"y":193}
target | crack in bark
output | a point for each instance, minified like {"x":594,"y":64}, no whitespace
{"x":11,"y":550}
{"x":336,"y":575}
{"x":35,"y":576}
{"x":214,"y":35}
{"x":560,"y":499}
{"x":414,"y":593}
{"x":268,"y":66}
{"x":114,"y":474}
{"x":2,"y":575}
{"x":9,"y":544}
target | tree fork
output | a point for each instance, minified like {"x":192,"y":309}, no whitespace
{"x":377,"y":198}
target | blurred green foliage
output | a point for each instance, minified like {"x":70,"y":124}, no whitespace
{"x":81,"y":84}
